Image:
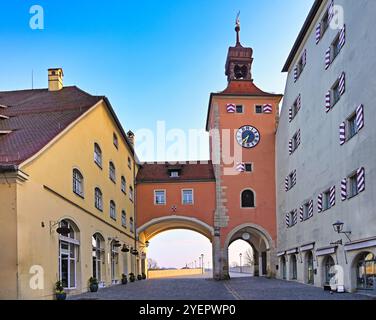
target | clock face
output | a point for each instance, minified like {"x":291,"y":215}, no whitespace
{"x":248,"y":136}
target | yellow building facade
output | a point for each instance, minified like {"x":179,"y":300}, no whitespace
{"x":82,"y":179}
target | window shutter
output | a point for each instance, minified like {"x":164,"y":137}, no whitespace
{"x":342,"y":37}
{"x":342,"y":133}
{"x":290,"y":147}
{"x":299,"y":102}
{"x":332,"y":196}
{"x":288,"y":220}
{"x":287,"y":184}
{"x":327,"y":101}
{"x":298,"y":138}
{"x":344,"y":189}
{"x":327,"y":58}
{"x":341,"y":85}
{"x":290,"y":114}
{"x":267,"y":108}
{"x":331,"y":11}
{"x":295,"y":221}
{"x":304,"y":57}
{"x":310,"y":209}
{"x":319,"y":202}
{"x":231,"y":108}
{"x":301,"y":216}
{"x":361,"y":179}
{"x":295,"y":73}
{"x":240,"y":167}
{"x":294,"y":178}
{"x":360,"y":117}
{"x":318,"y":33}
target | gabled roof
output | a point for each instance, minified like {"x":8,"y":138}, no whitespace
{"x":159,"y":172}
{"x":36,"y":117}
{"x":311,"y":16}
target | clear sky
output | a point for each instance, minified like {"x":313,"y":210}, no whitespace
{"x":154,"y":60}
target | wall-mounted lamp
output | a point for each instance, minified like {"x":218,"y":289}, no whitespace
{"x":338,"y":227}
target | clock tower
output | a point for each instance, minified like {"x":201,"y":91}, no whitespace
{"x":242,"y":121}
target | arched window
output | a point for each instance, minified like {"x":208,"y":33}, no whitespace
{"x":131,"y":193}
{"x":78,"y":183}
{"x":310,"y":267}
{"x":248,"y":199}
{"x":123,"y":219}
{"x":112,"y":210}
{"x":98,"y":255}
{"x":114,"y":261}
{"x":98,"y":199}
{"x":123,"y":184}
{"x":294,"y":267}
{"x":329,"y":272}
{"x":112,"y":171}
{"x":68,"y":252}
{"x":97,"y":155}
{"x":131,"y":226}
{"x":366,"y":271}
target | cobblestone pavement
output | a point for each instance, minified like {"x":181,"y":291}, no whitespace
{"x":249,"y":288}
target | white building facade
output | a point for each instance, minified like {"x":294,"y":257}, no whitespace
{"x":326,"y":150}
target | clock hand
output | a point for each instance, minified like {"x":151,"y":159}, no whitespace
{"x":245,"y":139}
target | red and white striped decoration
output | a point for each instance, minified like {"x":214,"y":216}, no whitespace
{"x":342,"y":133}
{"x":319,"y":202}
{"x":298,"y":138}
{"x":293,"y":178}
{"x":361,"y":181}
{"x":240,"y":167}
{"x":290,"y":114}
{"x":301,"y":214}
{"x":299,"y":102}
{"x":360,"y":117}
{"x":295,"y":217}
{"x":331,"y":11}
{"x":327,"y":58}
{"x":287,"y":185}
{"x":231,"y":108}
{"x":288,"y":220}
{"x":341,"y":85}
{"x":332,"y":196}
{"x":295,"y":73}
{"x":327,"y":101}
{"x":342,"y":37}
{"x":344,"y":189}
{"x":310,"y":209}
{"x":318,"y":33}
{"x":267,"y":108}
{"x":290,"y":147}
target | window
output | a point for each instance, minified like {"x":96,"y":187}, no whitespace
{"x":291,"y":180}
{"x":247,"y":199}
{"x":129,"y":162}
{"x":98,"y":199}
{"x":78,"y":183}
{"x":131,"y":193}
{"x":353,"y":185}
{"x":114,"y":261}
{"x":131,"y":224}
{"x":324,"y":23}
{"x":97,"y":242}
{"x":295,"y":142}
{"x":292,"y":218}
{"x":326,"y":200}
{"x":123,"y":219}
{"x":306,"y":211}
{"x":294,"y":267}
{"x":123,"y":185}
{"x":187,"y":196}
{"x":115,"y":140}
{"x":112,"y":210}
{"x":112,"y":172}
{"x":174,"y":174}
{"x":295,"y":108}
{"x":239,"y":109}
{"x":160,"y":197}
{"x":366,"y":271}
{"x":352,"y":126}
{"x":258,"y":109}
{"x":68,"y":249}
{"x":248,"y":167}
{"x":335,"y":48}
{"x":97,"y":155}
{"x":335,"y":93}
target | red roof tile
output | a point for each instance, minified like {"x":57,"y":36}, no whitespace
{"x":159,"y":172}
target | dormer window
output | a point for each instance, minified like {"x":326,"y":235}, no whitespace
{"x":174,"y":174}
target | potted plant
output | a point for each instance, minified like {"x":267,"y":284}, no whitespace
{"x":139,"y":277}
{"x":132,"y":277}
{"x":93,"y":284}
{"x":124,"y":279}
{"x":143,"y":276}
{"x":59,"y":291}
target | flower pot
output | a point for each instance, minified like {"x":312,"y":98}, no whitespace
{"x":143,"y":276}
{"x":124,"y":281}
{"x":93,"y":287}
{"x":132,"y":278}
{"x":60,"y":295}
{"x":139,"y":277}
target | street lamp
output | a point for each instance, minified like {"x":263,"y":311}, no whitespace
{"x":240,"y":256}
{"x":199,"y":262}
{"x":338,"y":227}
{"x":202,"y":262}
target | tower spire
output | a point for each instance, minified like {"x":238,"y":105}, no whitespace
{"x":237,"y":29}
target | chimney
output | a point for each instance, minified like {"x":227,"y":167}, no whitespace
{"x":55,"y":79}
{"x":130,"y":136}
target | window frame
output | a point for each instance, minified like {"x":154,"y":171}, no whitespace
{"x":155,"y":197}
{"x":324,"y":23}
{"x":123,"y":218}
{"x":115,"y":140}
{"x":251,"y":167}
{"x":110,"y":166}
{"x":192,"y":195}
{"x":241,"y":107}
{"x":261,"y":108}
{"x":352,"y":179}
{"x":131,"y":193}
{"x":81,"y":194}
{"x":351,"y":124}
{"x":174,"y":176}
{"x":99,"y":162}
{"x":114,"y":210}
{"x":326,"y":200}
{"x":100,"y":208}
{"x":335,"y":95}
{"x":241,"y":199}
{"x":306,"y":210}
{"x":123,"y":185}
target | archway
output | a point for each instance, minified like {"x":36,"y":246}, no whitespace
{"x":365,"y":271}
{"x":309,"y":268}
{"x":241,"y":258}
{"x":261,"y":243}
{"x":328,"y":271}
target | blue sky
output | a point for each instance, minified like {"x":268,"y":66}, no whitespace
{"x":154,"y":60}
